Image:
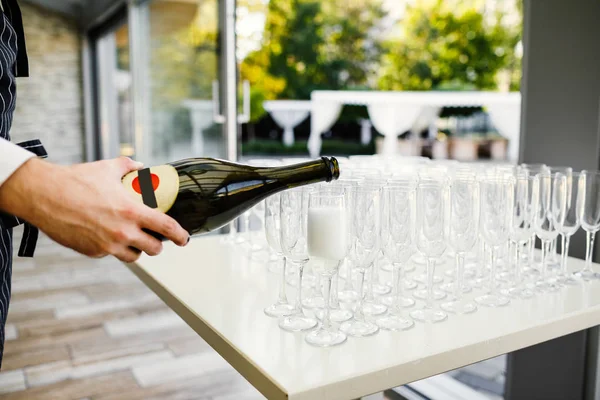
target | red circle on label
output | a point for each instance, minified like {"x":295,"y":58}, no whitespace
{"x":136,"y":183}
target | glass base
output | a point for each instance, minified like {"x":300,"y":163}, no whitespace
{"x":587,"y":275}
{"x":409,"y":284}
{"x":546,"y":286}
{"x":519,"y":293}
{"x":468,"y":273}
{"x":459,"y":307}
{"x":335,"y":315}
{"x":429,"y":315}
{"x":492,"y":300}
{"x":402,"y":302}
{"x":313,"y":302}
{"x":279,"y":310}
{"x":372,"y":308}
{"x":422,"y":278}
{"x":449,"y":287}
{"x":325,"y":338}
{"x":409,"y":267}
{"x":359,"y":328}
{"x":422,"y":294}
{"x":567,"y":280}
{"x":348,"y":296}
{"x":387,"y":267}
{"x":395,"y":323}
{"x":381,"y":289}
{"x":297,"y":323}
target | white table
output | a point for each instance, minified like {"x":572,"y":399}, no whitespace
{"x":221,"y":296}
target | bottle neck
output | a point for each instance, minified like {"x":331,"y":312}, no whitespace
{"x":322,"y":170}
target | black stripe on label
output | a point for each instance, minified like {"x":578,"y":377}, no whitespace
{"x":148,"y":195}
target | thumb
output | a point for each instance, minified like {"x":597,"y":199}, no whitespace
{"x":125,"y":165}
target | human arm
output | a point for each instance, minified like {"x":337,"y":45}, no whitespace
{"x":86,"y":208}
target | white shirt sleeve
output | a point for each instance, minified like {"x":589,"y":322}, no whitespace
{"x":12,"y":157}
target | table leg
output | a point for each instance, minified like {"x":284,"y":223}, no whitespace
{"x":552,"y":370}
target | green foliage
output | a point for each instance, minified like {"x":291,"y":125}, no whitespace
{"x":312,"y":45}
{"x":443,"y":48}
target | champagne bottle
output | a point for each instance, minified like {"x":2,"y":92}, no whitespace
{"x":204,"y":194}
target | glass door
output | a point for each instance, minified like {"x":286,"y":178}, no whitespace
{"x":167,"y":82}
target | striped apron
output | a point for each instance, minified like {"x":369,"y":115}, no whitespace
{"x":13,"y":63}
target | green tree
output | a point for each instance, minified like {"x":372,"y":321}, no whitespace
{"x":445,"y":48}
{"x":312,"y":45}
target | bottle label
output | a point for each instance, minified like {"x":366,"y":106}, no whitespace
{"x":157,"y":186}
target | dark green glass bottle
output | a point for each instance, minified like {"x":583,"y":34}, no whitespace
{"x":204,"y":194}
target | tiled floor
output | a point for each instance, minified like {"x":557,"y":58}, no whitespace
{"x":81,"y":328}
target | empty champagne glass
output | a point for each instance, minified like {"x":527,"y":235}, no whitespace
{"x":590,"y":220}
{"x":462,"y":232}
{"x":294,"y":245}
{"x":399,"y":246}
{"x":366,"y":235}
{"x":553,"y":259}
{"x":495,"y":212}
{"x":552,"y":197}
{"x":430,"y":239}
{"x":273,"y":231}
{"x":328,"y":241}
{"x":525,"y":198}
{"x":571,"y":222}
{"x":532,"y":170}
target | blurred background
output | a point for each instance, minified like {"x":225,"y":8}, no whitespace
{"x":162,"y":80}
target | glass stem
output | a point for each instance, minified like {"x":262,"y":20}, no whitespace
{"x":358,"y":314}
{"x":299,"y":293}
{"x":460,"y":275}
{"x":397,"y":286}
{"x":335,"y":301}
{"x":545,"y":248}
{"x":430,"y":273}
{"x":565,"y":253}
{"x":282,"y":295}
{"x":370,"y":296}
{"x":493,"y":254}
{"x":326,"y":318}
{"x":318,"y":285}
{"x":517,"y":277}
{"x":348,"y":277}
{"x":531,"y":244}
{"x":589,"y":251}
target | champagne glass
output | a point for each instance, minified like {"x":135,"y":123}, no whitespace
{"x":525,"y":199}
{"x":293,"y":239}
{"x":496,"y":209}
{"x":552,"y":197}
{"x":430,"y":239}
{"x":328,"y":240}
{"x":553,"y":259}
{"x":273,"y":230}
{"x":366,"y":236}
{"x":399,"y":247}
{"x":571,"y":222}
{"x":590,"y":220}
{"x":463,"y":224}
{"x":336,"y":312}
{"x":532,"y":170}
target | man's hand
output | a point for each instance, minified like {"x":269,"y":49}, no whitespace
{"x":86,"y":208}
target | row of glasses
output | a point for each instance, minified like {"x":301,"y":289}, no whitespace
{"x":442,"y":212}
